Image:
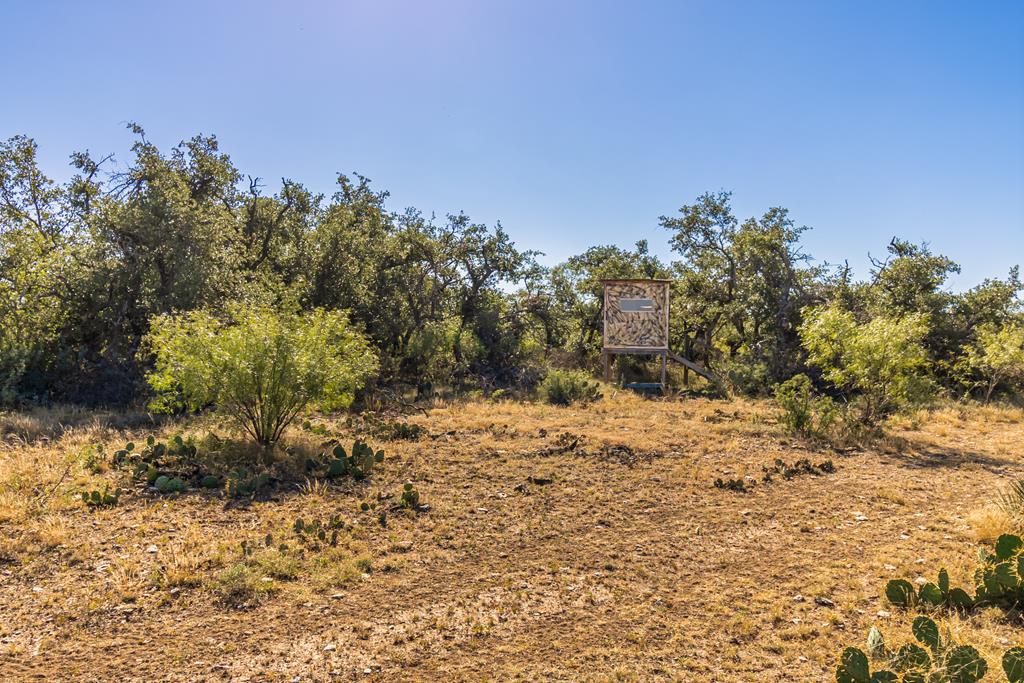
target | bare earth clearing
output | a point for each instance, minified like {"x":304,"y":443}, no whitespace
{"x":605,"y":555}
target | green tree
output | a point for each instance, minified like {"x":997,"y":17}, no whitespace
{"x":997,"y":357}
{"x":37,"y":265}
{"x":259,"y":366}
{"x":879,"y":366}
{"x":741,"y":288}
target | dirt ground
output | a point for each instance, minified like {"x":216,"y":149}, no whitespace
{"x":561,"y":544}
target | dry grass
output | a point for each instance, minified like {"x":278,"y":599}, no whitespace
{"x":561,"y":544}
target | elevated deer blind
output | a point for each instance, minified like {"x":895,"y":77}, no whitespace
{"x":635,"y":320}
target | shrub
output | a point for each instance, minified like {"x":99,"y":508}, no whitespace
{"x":879,"y":365}
{"x":259,"y":366}
{"x":997,"y":357}
{"x":805,"y":413}
{"x":565,"y":387}
{"x":796,"y":398}
{"x":242,"y":586}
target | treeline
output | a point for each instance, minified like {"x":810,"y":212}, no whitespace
{"x":87,"y":265}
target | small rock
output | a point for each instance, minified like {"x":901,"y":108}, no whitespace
{"x":152,"y":549}
{"x":904,"y":537}
{"x":889,"y":567}
{"x":883,"y":614}
{"x":824,"y":602}
{"x":919,"y":560}
{"x":798,"y":598}
{"x":330,"y":647}
{"x":861,"y":518}
{"x":920,"y":581}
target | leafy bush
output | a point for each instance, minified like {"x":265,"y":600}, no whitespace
{"x":260,"y":367}
{"x":804,"y":412}
{"x":565,"y":387}
{"x":997,"y":357}
{"x":879,"y":365}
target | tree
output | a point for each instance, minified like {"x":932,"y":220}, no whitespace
{"x":879,"y":366}
{"x":258,"y":366}
{"x":997,"y":356}
{"x":741,"y":289}
{"x":36,"y":269}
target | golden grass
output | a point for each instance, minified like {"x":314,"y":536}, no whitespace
{"x":562,"y":543}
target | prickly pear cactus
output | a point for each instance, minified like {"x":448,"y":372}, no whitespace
{"x":1013,"y":664}
{"x":104,"y":498}
{"x":410,"y":496}
{"x":854,"y":668}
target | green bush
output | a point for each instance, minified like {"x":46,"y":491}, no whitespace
{"x":796,"y":398}
{"x":259,"y":366}
{"x":803,"y":412}
{"x":566,"y":387}
{"x":997,"y":358}
{"x":880,"y":366}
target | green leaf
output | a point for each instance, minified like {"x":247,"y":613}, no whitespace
{"x":854,"y":665}
{"x":883,"y":677}
{"x":911,"y":656}
{"x":931,"y":594}
{"x":1007,"y":546}
{"x":965,"y":665}
{"x":959,"y":599}
{"x":944,"y":582}
{"x":1013,"y":664}
{"x":900,"y":592}
{"x":1004,"y":574}
{"x":927,"y":633}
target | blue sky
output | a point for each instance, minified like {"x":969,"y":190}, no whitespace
{"x":573,"y":123}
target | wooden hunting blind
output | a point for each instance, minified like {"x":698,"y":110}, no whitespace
{"x":635,"y":320}
{"x":636,"y":323}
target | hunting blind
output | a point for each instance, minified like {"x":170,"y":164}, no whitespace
{"x":636,"y":323}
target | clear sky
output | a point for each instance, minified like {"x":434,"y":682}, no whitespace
{"x":573,"y":123}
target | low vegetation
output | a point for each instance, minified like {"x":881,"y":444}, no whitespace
{"x":506,"y":529}
{"x":566,"y":387}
